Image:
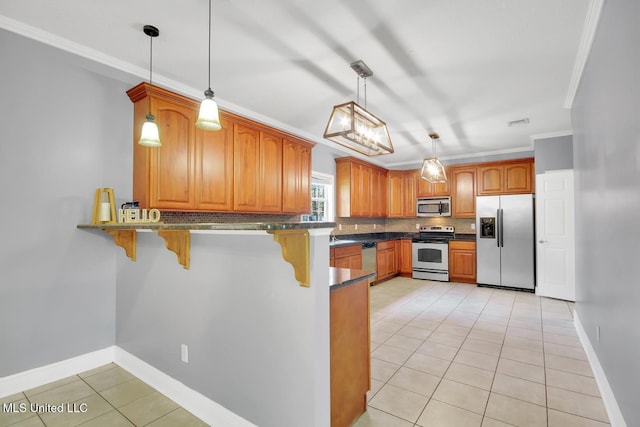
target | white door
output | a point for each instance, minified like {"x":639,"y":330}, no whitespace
{"x":555,"y":235}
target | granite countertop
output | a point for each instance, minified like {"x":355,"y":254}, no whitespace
{"x":340,"y":277}
{"x":468,"y":237}
{"x":352,"y":239}
{"x":237,"y":226}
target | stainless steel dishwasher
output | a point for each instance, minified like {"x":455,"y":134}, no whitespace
{"x":369,"y":258}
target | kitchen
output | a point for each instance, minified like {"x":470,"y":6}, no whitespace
{"x":72,"y":288}
{"x":426,"y":216}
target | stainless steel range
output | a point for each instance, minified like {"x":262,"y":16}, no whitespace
{"x":430,"y":252}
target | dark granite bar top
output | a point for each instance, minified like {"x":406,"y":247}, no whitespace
{"x":339,"y":277}
{"x":237,"y":226}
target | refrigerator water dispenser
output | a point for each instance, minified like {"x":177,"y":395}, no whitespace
{"x":487,"y":228}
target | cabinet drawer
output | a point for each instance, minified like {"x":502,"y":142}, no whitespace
{"x":462,"y":244}
{"x":389,"y":244}
{"x":343,"y":251}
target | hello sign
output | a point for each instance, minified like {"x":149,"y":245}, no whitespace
{"x":138,"y":215}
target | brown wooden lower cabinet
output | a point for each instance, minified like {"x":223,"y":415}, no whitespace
{"x":386,"y":260}
{"x":349,"y":256}
{"x":462,"y":261}
{"x":405,"y":264}
{"x":350,"y":359}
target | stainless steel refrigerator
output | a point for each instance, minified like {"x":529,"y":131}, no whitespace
{"x":505,"y":241}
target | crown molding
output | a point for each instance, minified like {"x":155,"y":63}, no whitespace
{"x":594,"y":10}
{"x":524,"y":149}
{"x":547,"y":135}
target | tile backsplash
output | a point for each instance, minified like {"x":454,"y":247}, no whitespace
{"x":204,"y":217}
{"x":380,"y":225}
{"x":343,"y":225}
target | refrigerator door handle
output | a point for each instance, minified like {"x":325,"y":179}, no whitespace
{"x":501,"y":228}
{"x":497,"y":229}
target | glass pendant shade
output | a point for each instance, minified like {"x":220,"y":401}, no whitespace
{"x":433,"y":171}
{"x":208,"y":117}
{"x":150,"y":137}
{"x":352,"y":126}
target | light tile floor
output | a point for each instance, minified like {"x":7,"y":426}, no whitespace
{"x":447,"y":354}
{"x":107,"y":396}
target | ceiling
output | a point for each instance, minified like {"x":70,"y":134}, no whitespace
{"x":461,"y":68}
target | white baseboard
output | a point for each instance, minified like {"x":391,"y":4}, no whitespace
{"x":56,"y":371}
{"x":611,"y":405}
{"x":202,"y":407}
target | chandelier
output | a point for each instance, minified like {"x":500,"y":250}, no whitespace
{"x":352,"y":126}
{"x":432,"y":170}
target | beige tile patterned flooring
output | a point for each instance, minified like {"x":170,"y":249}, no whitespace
{"x":447,"y":355}
{"x":107,"y":396}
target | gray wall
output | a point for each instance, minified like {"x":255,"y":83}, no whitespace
{"x":65,"y":132}
{"x":606,"y":143}
{"x":323,"y":159}
{"x":553,"y":153}
{"x":258,"y":342}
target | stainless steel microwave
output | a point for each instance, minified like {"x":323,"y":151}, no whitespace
{"x":433,"y":206}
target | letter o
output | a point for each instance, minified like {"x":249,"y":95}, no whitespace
{"x":154,"y":215}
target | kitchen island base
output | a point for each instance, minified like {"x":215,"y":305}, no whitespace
{"x":350,"y":348}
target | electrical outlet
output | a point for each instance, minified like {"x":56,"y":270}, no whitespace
{"x":356,"y":226}
{"x":473,"y":225}
{"x":340,"y":227}
{"x":417,"y":226}
{"x":598,"y":333}
{"x":185,"y":353}
{"x":374,"y":226}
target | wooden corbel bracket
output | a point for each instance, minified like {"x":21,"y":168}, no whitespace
{"x":126,"y":239}
{"x":179,"y":242}
{"x":295,"y":250}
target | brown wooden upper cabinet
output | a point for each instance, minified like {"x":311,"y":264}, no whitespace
{"x":257,"y":158}
{"x":463,"y":191}
{"x":508,"y":177}
{"x":245,"y":167}
{"x":378,"y":193}
{"x":214,"y":168}
{"x":402,"y":193}
{"x":296,"y":177}
{"x":361,"y":189}
{"x":164,"y":179}
{"x":427,"y":189}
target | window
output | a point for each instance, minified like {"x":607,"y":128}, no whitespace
{"x":321,"y":198}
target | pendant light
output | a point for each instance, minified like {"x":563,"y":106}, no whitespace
{"x":432,"y":170}
{"x":352,"y":126}
{"x":208,"y":117}
{"x":150,"y":137}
